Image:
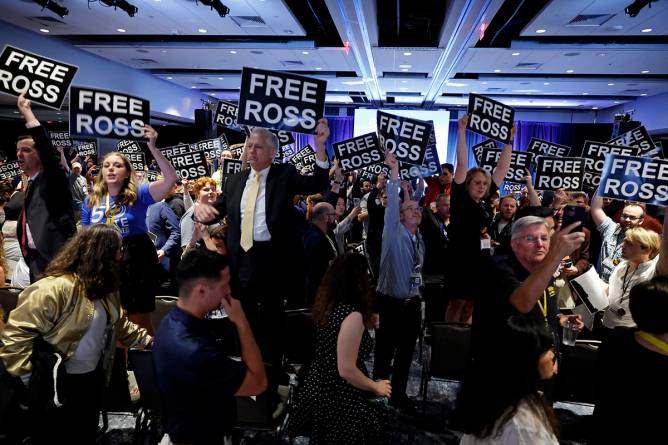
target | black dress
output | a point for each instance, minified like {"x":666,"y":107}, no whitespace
{"x":338,"y":412}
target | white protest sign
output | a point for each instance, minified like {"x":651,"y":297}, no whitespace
{"x":279,"y":100}
{"x":231,"y":166}
{"x":639,"y":138}
{"x":60,"y":139}
{"x":107,"y":114}
{"x":44,"y":80}
{"x":176,"y":150}
{"x":405,"y":137}
{"x":137,"y":160}
{"x":189,"y":165}
{"x":358,"y":152}
{"x":211,"y":147}
{"x":10,"y":170}
{"x":87,"y":148}
{"x":632,"y":178}
{"x":490,"y":118}
{"x":128,"y":147}
{"x":519,"y":163}
{"x":594,"y":155}
{"x":553,"y":172}
{"x":226,"y":115}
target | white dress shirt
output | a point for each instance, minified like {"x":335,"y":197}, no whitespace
{"x":260,"y":229}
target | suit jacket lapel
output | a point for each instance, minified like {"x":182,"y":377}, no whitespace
{"x":269,"y":189}
{"x":235,"y":200}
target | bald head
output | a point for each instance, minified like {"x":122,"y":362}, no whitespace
{"x":320,"y":211}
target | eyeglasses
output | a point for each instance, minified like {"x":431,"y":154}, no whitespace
{"x":534,"y":239}
{"x":630,"y":217}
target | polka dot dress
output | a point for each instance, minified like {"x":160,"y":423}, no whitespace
{"x":338,"y":412}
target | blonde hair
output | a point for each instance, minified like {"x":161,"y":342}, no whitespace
{"x":646,"y":238}
{"x":471,"y":173}
{"x":128,"y":194}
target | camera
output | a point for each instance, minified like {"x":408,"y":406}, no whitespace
{"x":567,"y":263}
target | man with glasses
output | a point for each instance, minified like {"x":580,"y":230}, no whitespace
{"x":612,"y":233}
{"x":319,"y":247}
{"x":521,"y":283}
{"x":398,"y":291}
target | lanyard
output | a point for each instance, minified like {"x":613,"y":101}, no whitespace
{"x":626,"y":284}
{"x":543,"y":305}
{"x":110,"y":212}
{"x":654,"y":341}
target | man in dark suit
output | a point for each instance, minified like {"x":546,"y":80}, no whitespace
{"x":263,"y":234}
{"x":319,"y":247}
{"x":47,"y":219}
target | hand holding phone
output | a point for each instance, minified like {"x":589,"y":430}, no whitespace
{"x":574,"y":213}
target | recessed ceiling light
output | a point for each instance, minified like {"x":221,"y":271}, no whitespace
{"x":602,"y":54}
{"x":336,"y":89}
{"x":304,"y":52}
{"x":497,"y":71}
{"x":474,"y":92}
{"x":405,"y":66}
{"x":484,"y":83}
{"x":120,"y":30}
{"x":616,"y":102}
{"x":193,"y":86}
{"x":163,"y":51}
{"x":585,"y":94}
{"x":646,"y":30}
{"x":408,"y":54}
{"x":233,"y":52}
{"x":404,"y":81}
{"x":644,"y":94}
{"x":546,"y":83}
{"x":594,"y":108}
{"x":168,"y":78}
{"x":515,"y":54}
{"x":213,"y":94}
{"x":59,"y":113}
{"x":318,"y":68}
{"x":456,"y":84}
{"x":44,"y":30}
{"x":644,"y":72}
{"x":541,"y":31}
{"x":202,"y":30}
{"x":611,"y":84}
{"x":404,"y":70}
{"x":569,"y":71}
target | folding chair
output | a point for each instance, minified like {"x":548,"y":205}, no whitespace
{"x":163,"y":304}
{"x":149,"y":412}
{"x":449,"y":355}
{"x":9,"y":297}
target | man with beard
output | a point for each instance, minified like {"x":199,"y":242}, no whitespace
{"x":319,"y":247}
{"x":503,"y":224}
{"x":612,"y":233}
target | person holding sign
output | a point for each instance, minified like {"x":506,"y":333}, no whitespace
{"x":47,"y":220}
{"x":262,"y":229}
{"x":119,"y":199}
{"x":218,"y":174}
{"x":470,"y":222}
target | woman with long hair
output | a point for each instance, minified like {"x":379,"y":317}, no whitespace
{"x":337,"y":391}
{"x":470,"y":222}
{"x":119,"y":199}
{"x":503,"y":405}
{"x":76,"y":309}
{"x":205,"y":192}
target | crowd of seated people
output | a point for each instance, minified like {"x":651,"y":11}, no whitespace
{"x":353,"y":250}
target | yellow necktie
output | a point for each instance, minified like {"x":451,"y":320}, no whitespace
{"x":249,"y":212}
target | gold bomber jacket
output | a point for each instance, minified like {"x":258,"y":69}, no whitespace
{"x":57,"y":309}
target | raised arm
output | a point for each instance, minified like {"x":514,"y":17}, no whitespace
{"x":534,"y":199}
{"x":161,"y":187}
{"x":503,"y":165}
{"x":597,"y":213}
{"x":462,"y":151}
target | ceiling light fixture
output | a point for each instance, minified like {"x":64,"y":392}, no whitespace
{"x":515,"y":54}
{"x":644,"y":72}
{"x":54,"y":7}
{"x":546,"y":83}
{"x":408,"y":54}
{"x":634,"y":8}
{"x":44,"y":30}
{"x":594,"y":108}
{"x":585,"y":94}
{"x":646,"y":30}
{"x":405,"y":66}
{"x":611,"y":84}
{"x":233,"y":52}
{"x":484,"y":83}
{"x":644,"y":94}
{"x":404,"y":70}
{"x":129,"y":9}
{"x":221,"y":9}
{"x":318,"y":68}
{"x":202,"y":30}
{"x":497,"y":71}
{"x":305,"y":52}
{"x":169,"y":78}
{"x":221,"y":78}
{"x":569,"y":71}
{"x":120,"y":30}
{"x":541,"y":31}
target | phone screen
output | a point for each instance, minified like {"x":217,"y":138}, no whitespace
{"x":573,"y":213}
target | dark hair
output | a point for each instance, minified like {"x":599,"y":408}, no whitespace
{"x":345,"y":282}
{"x":91,"y":254}
{"x":219,"y":231}
{"x":540,"y":211}
{"x":648,"y":302}
{"x":23,"y":137}
{"x":198,"y":264}
{"x":448,"y":167}
{"x":491,"y":393}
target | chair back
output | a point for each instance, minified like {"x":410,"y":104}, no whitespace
{"x":299,"y":336}
{"x":141,"y":362}
{"x":163,"y":304}
{"x":9,"y":297}
{"x":450,"y":350}
{"x":577,"y":378}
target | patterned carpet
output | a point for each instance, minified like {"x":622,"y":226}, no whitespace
{"x":428,"y":428}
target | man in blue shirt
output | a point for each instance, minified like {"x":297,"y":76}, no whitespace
{"x":398,"y":291}
{"x":197,"y":380}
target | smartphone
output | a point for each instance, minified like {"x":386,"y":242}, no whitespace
{"x":573,"y":213}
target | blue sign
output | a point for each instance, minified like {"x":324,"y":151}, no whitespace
{"x":635,"y":179}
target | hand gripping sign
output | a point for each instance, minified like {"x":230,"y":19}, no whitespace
{"x":304,"y":160}
{"x":633,"y":178}
{"x":594,"y":154}
{"x":44,"y":80}
{"x":283,"y":101}
{"x":490,"y":118}
{"x":405,"y":137}
{"x":107,"y":114}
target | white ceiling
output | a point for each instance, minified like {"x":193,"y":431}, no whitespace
{"x":607,"y":61}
